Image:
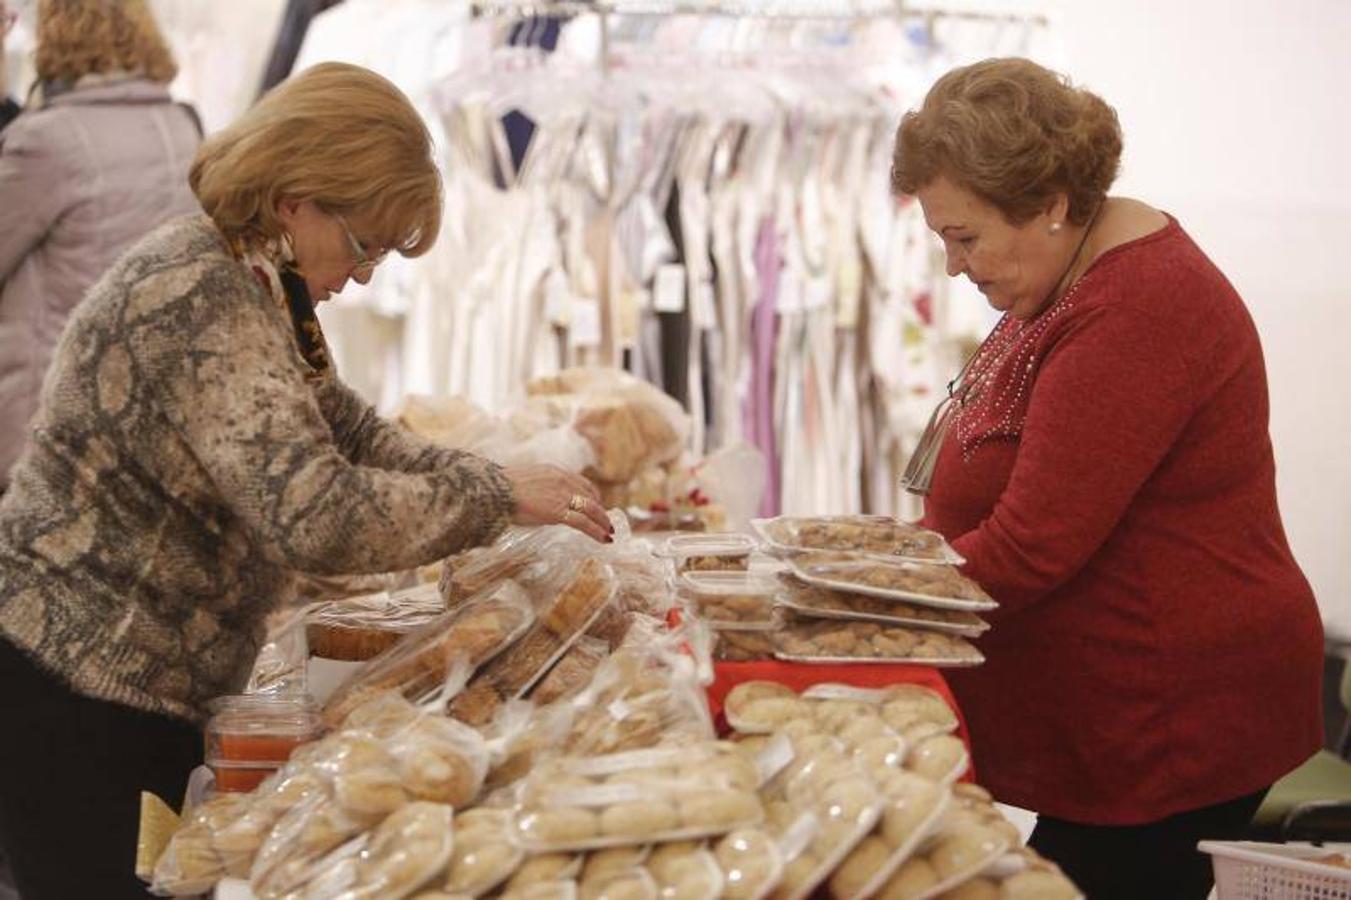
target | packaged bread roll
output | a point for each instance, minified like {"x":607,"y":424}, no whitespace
{"x":419,"y":664}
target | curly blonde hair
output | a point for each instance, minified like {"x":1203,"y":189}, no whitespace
{"x":95,"y":37}
{"x":1013,"y":133}
{"x":338,"y":135}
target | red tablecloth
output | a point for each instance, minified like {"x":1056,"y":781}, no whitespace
{"x":800,"y":676}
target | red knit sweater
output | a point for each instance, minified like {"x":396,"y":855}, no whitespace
{"x":1157,"y":648}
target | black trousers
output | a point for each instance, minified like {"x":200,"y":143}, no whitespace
{"x":1155,"y":861}
{"x":71,"y":774}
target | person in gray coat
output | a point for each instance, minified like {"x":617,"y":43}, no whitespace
{"x":98,"y":158}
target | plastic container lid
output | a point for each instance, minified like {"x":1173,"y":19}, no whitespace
{"x":685,"y":546}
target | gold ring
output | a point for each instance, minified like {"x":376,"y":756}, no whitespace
{"x":577,"y":502}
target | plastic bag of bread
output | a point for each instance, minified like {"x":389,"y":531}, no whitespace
{"x":645,"y":579}
{"x":520,"y":735}
{"x":630,"y":424}
{"x":573,"y":671}
{"x":360,"y":628}
{"x":685,"y":871}
{"x":942,"y":758}
{"x":831,"y":641}
{"x":761,"y":707}
{"x":912,"y":711}
{"x":946,"y":861}
{"x":403,"y":853}
{"x":193,"y":863}
{"x":564,"y":889}
{"x":751,"y":864}
{"x":390,"y":755}
{"x":634,"y":883}
{"x":484,"y":856}
{"x":518,"y":439}
{"x":809,"y":601}
{"x":914,"y":808}
{"x":650,"y":691}
{"x":420,"y":663}
{"x":448,"y":421}
{"x":474,"y":571}
{"x":222,"y":837}
{"x":280,"y":667}
{"x":820,"y":808}
{"x":1020,"y":874}
{"x":638,"y":797}
{"x":558,"y":626}
{"x":923,"y":584}
{"x":541,"y":559}
{"x":540,"y":870}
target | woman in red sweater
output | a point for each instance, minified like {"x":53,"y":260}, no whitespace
{"x":1107,"y":472}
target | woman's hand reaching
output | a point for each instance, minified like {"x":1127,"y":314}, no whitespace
{"x":549,"y":495}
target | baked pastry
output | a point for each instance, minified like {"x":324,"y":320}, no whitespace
{"x":685,"y":872}
{"x":561,"y":826}
{"x":484,"y":855}
{"x":915,"y":877}
{"x":864,"y":533}
{"x":942,"y":758}
{"x":743,"y":646}
{"x":574,"y":669}
{"x":405,"y":851}
{"x":860,"y":867}
{"x":965,"y":851}
{"x":650,"y":819}
{"x":750,"y":862}
{"x":807,"y":599}
{"x":719,"y":810}
{"x":614,"y":859}
{"x":544,"y":868}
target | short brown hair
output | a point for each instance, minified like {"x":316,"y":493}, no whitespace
{"x":336,"y":134}
{"x":1013,"y":133}
{"x":76,"y":38}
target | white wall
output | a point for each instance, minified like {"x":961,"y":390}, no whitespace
{"x":1237,"y":118}
{"x":1237,"y":121}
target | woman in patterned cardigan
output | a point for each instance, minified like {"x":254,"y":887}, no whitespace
{"x":194,"y":448}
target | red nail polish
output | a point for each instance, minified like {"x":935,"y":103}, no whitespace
{"x":609,"y":539}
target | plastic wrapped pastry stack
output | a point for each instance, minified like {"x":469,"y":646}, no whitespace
{"x":851,"y":589}
{"x":547,"y":734}
{"x":621,"y":793}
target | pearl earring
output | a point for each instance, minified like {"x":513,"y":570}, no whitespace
{"x":1055,"y":227}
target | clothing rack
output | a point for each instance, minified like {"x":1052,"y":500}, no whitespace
{"x":794,"y":10}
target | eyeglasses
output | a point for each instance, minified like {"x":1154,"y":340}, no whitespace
{"x":365,"y":264}
{"x":963,"y":389}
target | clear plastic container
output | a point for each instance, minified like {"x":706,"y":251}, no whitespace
{"x":731,"y":599}
{"x":709,"y":552}
{"x":250,"y":736}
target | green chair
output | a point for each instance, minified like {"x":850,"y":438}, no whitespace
{"x":1314,"y":801}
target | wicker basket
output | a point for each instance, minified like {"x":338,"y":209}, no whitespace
{"x":1252,"y":871}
